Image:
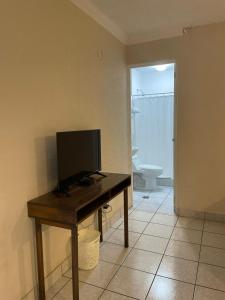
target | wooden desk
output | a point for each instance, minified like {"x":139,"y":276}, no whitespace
{"x":68,"y":212}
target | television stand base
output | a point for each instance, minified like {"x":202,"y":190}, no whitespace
{"x":99,"y":173}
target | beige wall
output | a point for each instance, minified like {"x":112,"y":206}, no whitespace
{"x":200,"y":152}
{"x":59,"y":70}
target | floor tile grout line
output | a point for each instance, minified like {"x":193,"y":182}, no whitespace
{"x":198,"y":261}
{"x":159,"y":263}
{"x":67,"y":282}
{"x":124,"y":260}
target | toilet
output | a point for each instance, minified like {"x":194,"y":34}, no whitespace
{"x":148,"y":172}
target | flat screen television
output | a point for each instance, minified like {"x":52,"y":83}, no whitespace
{"x":78,"y":155}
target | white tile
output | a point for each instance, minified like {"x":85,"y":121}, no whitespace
{"x":107,"y":295}
{"x":187,"y":235}
{"x":214,"y":240}
{"x":108,"y":233}
{"x":169,"y":289}
{"x":87,"y":292}
{"x":66,"y":265}
{"x":215,"y":227}
{"x":131,"y":283}
{"x":117,"y":237}
{"x":53,"y":277}
{"x":212,"y":256}
{"x":117,"y":223}
{"x":164,"y":219}
{"x":167,"y":210}
{"x":211,"y":276}
{"x":190,"y":223}
{"x":100,"y":275}
{"x":151,"y":208}
{"x":54,"y":289}
{"x":135,"y":226}
{"x":183,"y":250}
{"x":151,"y":243}
{"x":180,"y":269}
{"x":202,"y":293}
{"x":143,"y":260}
{"x":141,"y":215}
{"x":113,"y":253}
{"x":159,"y":230}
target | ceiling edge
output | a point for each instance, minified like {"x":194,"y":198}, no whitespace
{"x":102,"y":19}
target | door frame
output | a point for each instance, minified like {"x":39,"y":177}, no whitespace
{"x":175,"y":115}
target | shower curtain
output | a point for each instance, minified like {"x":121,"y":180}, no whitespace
{"x":153,"y":131}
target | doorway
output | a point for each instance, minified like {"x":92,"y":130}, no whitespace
{"x":152,"y":131}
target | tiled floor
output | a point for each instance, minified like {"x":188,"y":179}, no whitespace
{"x":169,"y":258}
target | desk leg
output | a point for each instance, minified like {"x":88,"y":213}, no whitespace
{"x":40,"y":260}
{"x":126,"y":235}
{"x":75,"y":274}
{"x":100,"y":224}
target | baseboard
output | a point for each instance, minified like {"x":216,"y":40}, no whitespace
{"x":200,"y":215}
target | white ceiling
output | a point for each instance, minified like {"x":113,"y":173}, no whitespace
{"x":135,"y":21}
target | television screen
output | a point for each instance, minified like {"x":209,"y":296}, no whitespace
{"x":78,"y":154}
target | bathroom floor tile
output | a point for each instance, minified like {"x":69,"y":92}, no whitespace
{"x":107,"y":295}
{"x":113,"y":253}
{"x":131,"y":283}
{"x":211,"y":276}
{"x":166,"y":210}
{"x":215,"y":227}
{"x":147,"y":207}
{"x":117,"y":237}
{"x":190,"y":223}
{"x":183,"y":250}
{"x":135,"y":226}
{"x":213,"y":239}
{"x":179,"y":269}
{"x":158,"y":230}
{"x":107,"y":233}
{"x":212,"y":256}
{"x":164,"y":219}
{"x":100,"y":275}
{"x":87,"y":292}
{"x":202,"y":293}
{"x":143,"y":260}
{"x":187,"y":235}
{"x":169,"y":289}
{"x":141,"y":215}
{"x":151,"y":243}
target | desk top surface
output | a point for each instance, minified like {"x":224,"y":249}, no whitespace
{"x":81,"y":196}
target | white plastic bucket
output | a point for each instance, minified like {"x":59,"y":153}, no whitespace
{"x":88,"y":248}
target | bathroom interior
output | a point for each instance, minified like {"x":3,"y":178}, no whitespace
{"x":152,"y":125}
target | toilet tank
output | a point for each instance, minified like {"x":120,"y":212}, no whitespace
{"x":136,"y":163}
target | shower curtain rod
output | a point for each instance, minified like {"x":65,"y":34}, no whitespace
{"x":154,"y":95}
